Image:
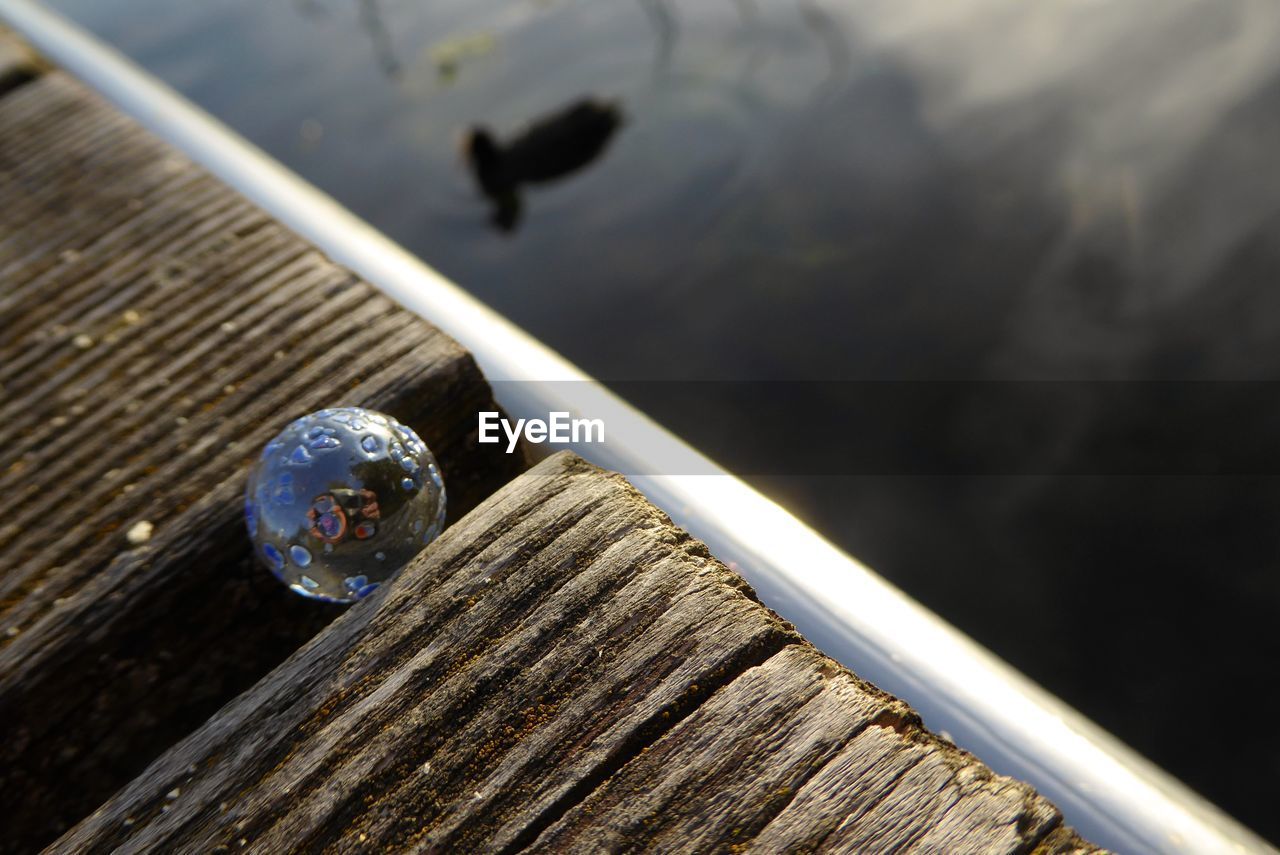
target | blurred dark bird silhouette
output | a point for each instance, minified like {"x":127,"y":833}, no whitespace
{"x":549,"y":149}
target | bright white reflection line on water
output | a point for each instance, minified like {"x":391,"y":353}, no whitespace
{"x":1111,"y":795}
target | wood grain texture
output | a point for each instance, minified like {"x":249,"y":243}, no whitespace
{"x":564,"y":670}
{"x":155,"y":331}
{"x":797,"y":755}
{"x":902,"y":789}
{"x":538,"y":644}
{"x":1064,"y":841}
{"x":718,"y":778}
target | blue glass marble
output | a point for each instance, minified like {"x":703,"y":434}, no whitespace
{"x":342,"y":499}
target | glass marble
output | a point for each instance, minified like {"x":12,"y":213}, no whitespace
{"x":340,"y":500}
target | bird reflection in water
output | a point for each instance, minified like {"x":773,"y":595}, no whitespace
{"x":549,"y":149}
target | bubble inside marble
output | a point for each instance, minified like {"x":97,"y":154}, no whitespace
{"x":342,"y":499}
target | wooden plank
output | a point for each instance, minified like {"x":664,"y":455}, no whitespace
{"x":563,"y":670}
{"x":1064,"y":841}
{"x":719,"y":777}
{"x":155,"y":331}
{"x":768,"y":765}
{"x":900,"y":788}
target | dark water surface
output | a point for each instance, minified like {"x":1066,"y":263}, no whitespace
{"x":889,"y":192}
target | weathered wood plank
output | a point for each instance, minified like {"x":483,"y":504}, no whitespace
{"x":1064,"y":841}
{"x":536,"y":646}
{"x":155,"y":331}
{"x":897,"y":789}
{"x":769,"y":766}
{"x":718,"y":778}
{"x":563,"y":670}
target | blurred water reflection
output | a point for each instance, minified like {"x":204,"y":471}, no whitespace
{"x":876,"y":190}
{"x":550,"y":149}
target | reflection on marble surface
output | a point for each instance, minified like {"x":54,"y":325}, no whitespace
{"x":340,"y":500}
{"x":868,"y":190}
